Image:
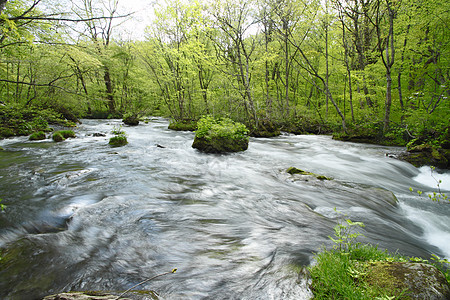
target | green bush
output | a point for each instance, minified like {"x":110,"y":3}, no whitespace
{"x":220,"y":135}
{"x":37,"y":136}
{"x":118,"y":141}
{"x":208,"y":127}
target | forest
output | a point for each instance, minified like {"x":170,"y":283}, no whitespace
{"x":374,"y":70}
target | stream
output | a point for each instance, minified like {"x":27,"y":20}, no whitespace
{"x":82,"y":215}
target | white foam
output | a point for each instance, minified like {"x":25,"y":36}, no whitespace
{"x":436,"y":227}
{"x":431,"y":178}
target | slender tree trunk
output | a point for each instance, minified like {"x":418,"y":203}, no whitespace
{"x":109,"y":91}
{"x":389,"y":62}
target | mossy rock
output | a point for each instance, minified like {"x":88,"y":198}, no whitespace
{"x":37,"y":136}
{"x":118,"y":141}
{"x":58,"y":137}
{"x":426,"y":154}
{"x":131,"y":120}
{"x":220,"y":136}
{"x":409,"y":280}
{"x":186,"y":125}
{"x":294,"y":170}
{"x":61,"y":135}
{"x":220,"y":145}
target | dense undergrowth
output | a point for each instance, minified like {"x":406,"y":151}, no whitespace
{"x":19,"y":121}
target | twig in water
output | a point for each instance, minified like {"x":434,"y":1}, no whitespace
{"x":146,"y":280}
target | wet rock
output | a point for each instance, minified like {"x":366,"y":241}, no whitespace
{"x":98,"y":134}
{"x":83,"y":296}
{"x":294,"y":170}
{"x":98,"y":295}
{"x":220,"y":145}
{"x":131,"y":120}
{"x":415,"y":280}
{"x":37,"y":136}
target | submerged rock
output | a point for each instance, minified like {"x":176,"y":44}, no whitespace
{"x":413,"y":280}
{"x":294,"y":170}
{"x":82,"y":296}
{"x":96,"y":295}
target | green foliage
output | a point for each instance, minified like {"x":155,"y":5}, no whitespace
{"x":187,"y":125}
{"x":346,"y":233}
{"x":120,"y":138}
{"x":2,"y":206}
{"x":118,"y":130}
{"x":435,"y":196}
{"x":349,"y":271}
{"x":209,"y":128}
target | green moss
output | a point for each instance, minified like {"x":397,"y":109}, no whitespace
{"x":220,"y":135}
{"x":118,"y":141}
{"x":185,"y":125}
{"x":67,"y":133}
{"x":61,"y":135}
{"x":58,"y":136}
{"x":37,"y":136}
{"x":294,"y":170}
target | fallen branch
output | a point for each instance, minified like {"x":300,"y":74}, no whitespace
{"x":146,"y":280}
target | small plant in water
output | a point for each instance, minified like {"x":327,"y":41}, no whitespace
{"x":118,"y":140}
{"x":117,"y":130}
{"x":435,"y":196}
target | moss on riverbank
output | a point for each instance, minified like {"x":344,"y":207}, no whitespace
{"x":20,"y":121}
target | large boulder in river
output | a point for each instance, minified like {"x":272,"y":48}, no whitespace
{"x":414,"y":280}
{"x":131,"y":120}
{"x":220,"y":135}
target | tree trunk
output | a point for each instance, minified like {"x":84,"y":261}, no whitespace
{"x":109,"y":91}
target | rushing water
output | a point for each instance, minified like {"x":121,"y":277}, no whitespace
{"x":84,"y":216}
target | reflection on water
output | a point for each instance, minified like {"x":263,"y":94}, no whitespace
{"x":84,"y":216}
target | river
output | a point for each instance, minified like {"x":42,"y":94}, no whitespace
{"x":81,"y":215}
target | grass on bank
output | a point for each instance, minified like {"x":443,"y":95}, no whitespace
{"x":350,"y":270}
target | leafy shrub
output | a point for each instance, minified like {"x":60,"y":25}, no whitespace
{"x":208,"y":127}
{"x":220,"y":135}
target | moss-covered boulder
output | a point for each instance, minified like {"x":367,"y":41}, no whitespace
{"x":61,"y":135}
{"x":220,"y":135}
{"x":37,"y":136}
{"x":131,"y":120}
{"x":421,"y":153}
{"x":409,"y":280}
{"x":183,"y":125}
{"x":118,"y":141}
{"x":58,"y":137}
{"x":294,"y":170}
